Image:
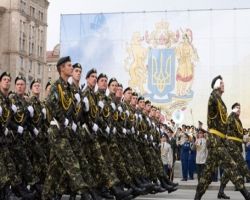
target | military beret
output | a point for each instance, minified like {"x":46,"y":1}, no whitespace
{"x":34,"y":81}
{"x":147,"y":102}
{"x":127,"y":89}
{"x":102,"y":75}
{"x":164,"y":135}
{"x":120,"y":85}
{"x":170,"y":129}
{"x":140,"y":98}
{"x":26,"y":94}
{"x":134,"y":94}
{"x":200,"y":123}
{"x":77,"y":65}
{"x":11,"y":92}
{"x":235,"y":104}
{"x":48,"y":84}
{"x":63,"y":60}
{"x":91,"y":72}
{"x":111,"y":80}
{"x":5,"y":74}
{"x":214,"y":80}
{"x":20,"y":77}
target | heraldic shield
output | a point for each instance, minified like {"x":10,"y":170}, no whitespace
{"x":161,"y":71}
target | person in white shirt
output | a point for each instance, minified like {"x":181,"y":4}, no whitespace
{"x":166,"y":153}
{"x":201,"y":152}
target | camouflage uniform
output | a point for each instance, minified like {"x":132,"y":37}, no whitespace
{"x":17,"y":147}
{"x":36,"y":153}
{"x":62,"y":157}
{"x":218,"y":154}
{"x":234,"y":147}
{"x":93,"y":149}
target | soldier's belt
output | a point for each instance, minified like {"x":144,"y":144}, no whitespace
{"x":235,"y":139}
{"x":213,"y":131}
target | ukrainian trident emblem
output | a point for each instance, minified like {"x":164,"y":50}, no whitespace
{"x":161,"y":71}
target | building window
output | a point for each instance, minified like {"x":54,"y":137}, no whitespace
{"x":21,"y":44}
{"x":22,"y":27}
{"x":32,"y":11}
{"x":21,"y":62}
{"x":31,"y":31}
{"x":39,"y":69}
{"x":49,"y":68}
{"x":41,"y":16}
{"x":30,"y":66}
{"x":41,"y":52}
{"x":22,"y":5}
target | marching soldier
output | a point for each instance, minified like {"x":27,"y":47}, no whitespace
{"x":234,"y":147}
{"x":62,"y":157}
{"x":217,"y":119}
{"x":93,"y":148}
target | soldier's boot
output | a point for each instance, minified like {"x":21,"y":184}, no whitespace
{"x":221,"y":194}
{"x":8,"y":194}
{"x":85,"y":195}
{"x":169,"y":188}
{"x":136,"y":191}
{"x":23,"y":192}
{"x":129,"y":197}
{"x":147,"y":186}
{"x":2,"y":197}
{"x":171,"y":182}
{"x":158,"y":188}
{"x":38,"y":187}
{"x":105,"y":193}
{"x":119,"y":194}
{"x":95,"y":196}
{"x":245,"y":193}
{"x":72,"y":196}
{"x":198,"y":196}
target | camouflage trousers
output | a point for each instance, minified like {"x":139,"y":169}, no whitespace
{"x":119,"y":163}
{"x":22,"y":161}
{"x":241,"y":165}
{"x":84,"y":167}
{"x":9,"y":165}
{"x":3,"y":173}
{"x":100,"y":169}
{"x":62,"y":158}
{"x":219,"y":157}
{"x":148,"y":160}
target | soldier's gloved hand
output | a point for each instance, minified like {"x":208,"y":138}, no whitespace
{"x":235,"y":110}
{"x":124,"y":131}
{"x":86,"y":102}
{"x":120,"y":110}
{"x":44,"y":113}
{"x":113,"y":106}
{"x":149,"y":122}
{"x":136,"y":116}
{"x":1,"y":111}
{"x":31,"y":111}
{"x":20,"y":130}
{"x":157,"y":129}
{"x":74,"y":127}
{"x":138,"y":133}
{"x":14,"y":108}
{"x":127,"y":113}
{"x":6,"y":131}
{"x":78,"y":98}
{"x":35,"y":131}
{"x":95,"y":127}
{"x":114,"y":130}
{"x":151,"y":137}
{"x":107,"y":130}
{"x":153,"y":124}
{"x":146,"y":136}
{"x":66,"y":122}
{"x":101,"y":104}
{"x":133,"y":130}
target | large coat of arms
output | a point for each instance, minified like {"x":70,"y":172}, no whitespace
{"x":161,"y":67}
